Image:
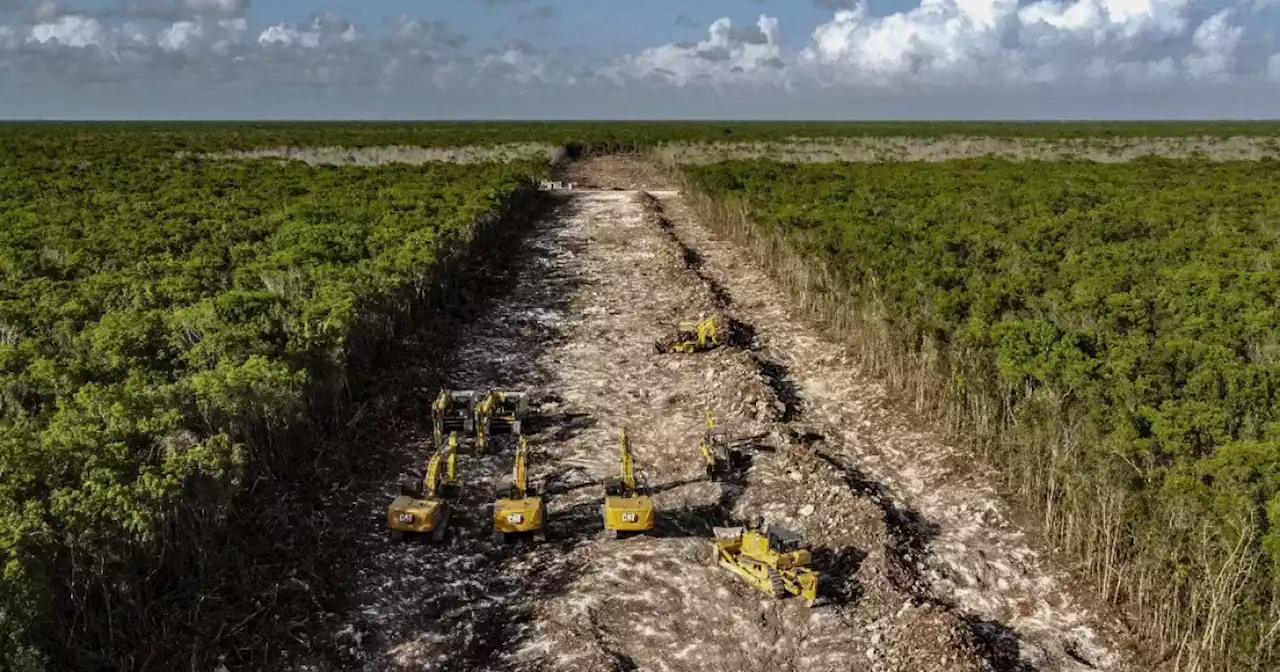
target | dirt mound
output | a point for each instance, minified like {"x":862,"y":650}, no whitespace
{"x":617,"y":172}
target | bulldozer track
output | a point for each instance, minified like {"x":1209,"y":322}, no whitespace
{"x":586,"y":293}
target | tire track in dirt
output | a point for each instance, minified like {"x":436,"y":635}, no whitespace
{"x":592,"y":287}
{"x":950,"y":525}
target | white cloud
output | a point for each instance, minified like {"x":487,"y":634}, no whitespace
{"x":1215,"y":42}
{"x":982,"y":50}
{"x":730,"y":53}
{"x":326,"y":28}
{"x":133,"y":34}
{"x":47,"y":11}
{"x":223,"y":7}
{"x":9,"y":38}
{"x":289,"y":35}
{"x":951,"y":44}
{"x":70,"y":31}
{"x":180,"y":36}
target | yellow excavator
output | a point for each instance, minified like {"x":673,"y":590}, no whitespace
{"x":425,"y":506}
{"x":690,"y":337}
{"x":453,"y":411}
{"x":720,"y":454}
{"x":499,"y":411}
{"x":771,"y":558}
{"x":627,"y":504}
{"x":518,"y":508}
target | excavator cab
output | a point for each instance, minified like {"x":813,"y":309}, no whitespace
{"x":720,"y":454}
{"x":453,"y":411}
{"x":518,"y":508}
{"x":425,"y":506}
{"x":627,"y":508}
{"x":499,"y":411}
{"x":771,"y":558}
{"x":690,"y":337}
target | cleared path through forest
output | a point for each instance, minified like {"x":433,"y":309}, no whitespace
{"x":595,"y":283}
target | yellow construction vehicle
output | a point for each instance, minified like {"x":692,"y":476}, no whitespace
{"x":691,"y":337}
{"x":627,"y":504}
{"x":425,"y":506}
{"x":518,"y":508}
{"x":721,"y":455}
{"x":499,"y":411}
{"x":770,"y":558}
{"x":453,"y":411}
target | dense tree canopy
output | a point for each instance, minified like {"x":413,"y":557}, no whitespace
{"x":1141,"y":296}
{"x":160,"y":317}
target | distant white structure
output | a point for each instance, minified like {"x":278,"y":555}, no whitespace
{"x":548,"y":185}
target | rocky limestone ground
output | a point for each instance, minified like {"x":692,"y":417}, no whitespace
{"x":406,"y":154}
{"x":946,"y":148}
{"x":955,"y":532}
{"x":595,"y":284}
{"x":628,"y":173}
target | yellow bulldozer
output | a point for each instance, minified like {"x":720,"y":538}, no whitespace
{"x":627,"y":505}
{"x":500,"y":411}
{"x":771,"y":558}
{"x":424,"y":507}
{"x":453,"y":411}
{"x":690,"y":337}
{"x":518,"y":508}
{"x":721,"y":455}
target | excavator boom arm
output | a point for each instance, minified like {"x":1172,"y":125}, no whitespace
{"x":449,"y":454}
{"x":451,"y":449}
{"x":519,"y":477}
{"x":628,"y":465}
{"x":707,"y":330}
{"x":433,"y":475}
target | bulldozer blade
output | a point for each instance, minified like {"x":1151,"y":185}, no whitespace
{"x":727,"y":532}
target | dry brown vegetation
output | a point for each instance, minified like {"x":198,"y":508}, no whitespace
{"x":806,"y":150}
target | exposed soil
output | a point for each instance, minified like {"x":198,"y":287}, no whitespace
{"x":594,"y":285}
{"x":414,"y":155}
{"x":956,"y":532}
{"x":922,"y":567}
{"x":874,"y":149}
{"x":631,"y":174}
{"x":617,"y":172}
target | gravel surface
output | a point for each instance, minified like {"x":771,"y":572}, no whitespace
{"x":596,"y":284}
{"x":922,"y":566}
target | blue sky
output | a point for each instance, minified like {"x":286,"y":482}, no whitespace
{"x":661,"y":58}
{"x":602,"y":26}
